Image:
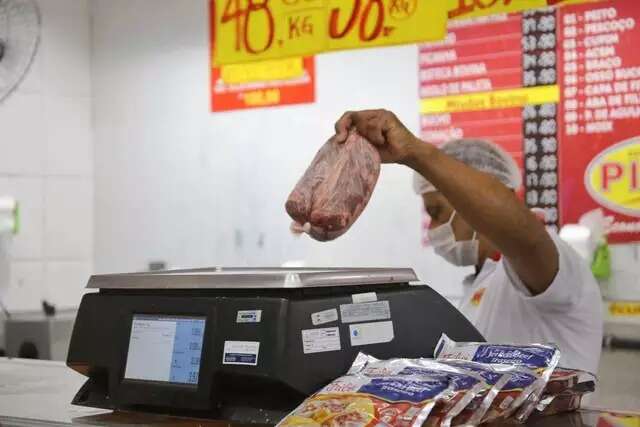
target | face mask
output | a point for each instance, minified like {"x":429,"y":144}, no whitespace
{"x":445,"y":244}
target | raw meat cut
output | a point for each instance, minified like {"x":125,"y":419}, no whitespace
{"x":335,"y":189}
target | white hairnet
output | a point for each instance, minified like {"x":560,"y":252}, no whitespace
{"x":480,"y":155}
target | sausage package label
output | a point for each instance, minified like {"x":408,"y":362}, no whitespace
{"x":320,"y":340}
{"x":365,"y":312}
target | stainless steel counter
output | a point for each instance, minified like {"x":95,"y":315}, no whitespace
{"x":37,"y":393}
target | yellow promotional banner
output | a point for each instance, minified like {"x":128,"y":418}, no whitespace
{"x":275,"y":69}
{"x":506,"y":98}
{"x":254,"y":30}
{"x":462,"y":9}
{"x":624,"y":309}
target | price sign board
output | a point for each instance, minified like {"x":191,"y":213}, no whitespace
{"x":599,"y":68}
{"x":559,"y":89}
{"x":263,"y":84}
{"x":495,"y":78}
{"x":254,"y":30}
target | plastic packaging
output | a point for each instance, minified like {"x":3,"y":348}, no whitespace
{"x":466,"y":385}
{"x":509,"y":386}
{"x":542,"y":359}
{"x":522,"y":384}
{"x":395,"y":392}
{"x":568,"y":400}
{"x":568,"y":386}
{"x":360,"y":401}
{"x":561,"y":380}
{"x":335,"y":189}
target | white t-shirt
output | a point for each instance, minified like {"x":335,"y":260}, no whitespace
{"x":568,"y":313}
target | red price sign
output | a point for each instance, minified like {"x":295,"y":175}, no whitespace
{"x":253,"y":30}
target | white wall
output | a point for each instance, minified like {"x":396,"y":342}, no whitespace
{"x":175,"y":182}
{"x":46,"y":162}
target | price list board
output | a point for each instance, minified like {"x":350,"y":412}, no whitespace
{"x":495,"y":78}
{"x":540,"y":122}
{"x":599,"y":67}
{"x":557,"y":88}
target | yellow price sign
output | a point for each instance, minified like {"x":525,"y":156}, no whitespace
{"x":253,"y":30}
{"x":506,"y":98}
{"x":263,"y":71}
{"x":624,"y":309}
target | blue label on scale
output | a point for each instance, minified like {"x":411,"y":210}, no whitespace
{"x":241,"y":358}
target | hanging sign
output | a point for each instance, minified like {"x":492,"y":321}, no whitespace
{"x":263,"y":84}
{"x":254,"y":30}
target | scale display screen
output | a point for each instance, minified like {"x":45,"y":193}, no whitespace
{"x":165,"y":348}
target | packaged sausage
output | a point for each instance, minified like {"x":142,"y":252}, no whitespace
{"x":541,"y":359}
{"x":466,"y":387}
{"x":509,"y":386}
{"x":565,"y":390}
{"x":515,"y":393}
{"x":335,"y":188}
{"x":562,"y":379}
{"x":466,"y":384}
{"x":568,"y":400}
{"x":379,"y":399}
{"x":395,"y":392}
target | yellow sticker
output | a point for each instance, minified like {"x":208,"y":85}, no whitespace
{"x":613,"y":177}
{"x":507,"y":98}
{"x":253,"y":30}
{"x":263,"y":71}
{"x":624,"y":309}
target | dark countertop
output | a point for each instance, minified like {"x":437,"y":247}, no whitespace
{"x":37,"y":393}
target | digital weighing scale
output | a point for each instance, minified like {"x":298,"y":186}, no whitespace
{"x":246,"y":344}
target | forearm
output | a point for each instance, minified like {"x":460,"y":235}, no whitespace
{"x":486,"y":205}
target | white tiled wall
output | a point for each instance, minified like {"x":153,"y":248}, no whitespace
{"x":46,"y":162}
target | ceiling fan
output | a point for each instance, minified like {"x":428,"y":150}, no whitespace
{"x":20,"y":25}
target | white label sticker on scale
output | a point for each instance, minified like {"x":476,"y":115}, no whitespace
{"x":326,"y":316}
{"x":371,"y":333}
{"x":320,"y":340}
{"x":365,"y":297}
{"x":240,"y":353}
{"x":365,"y":312}
{"x":249,"y":316}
